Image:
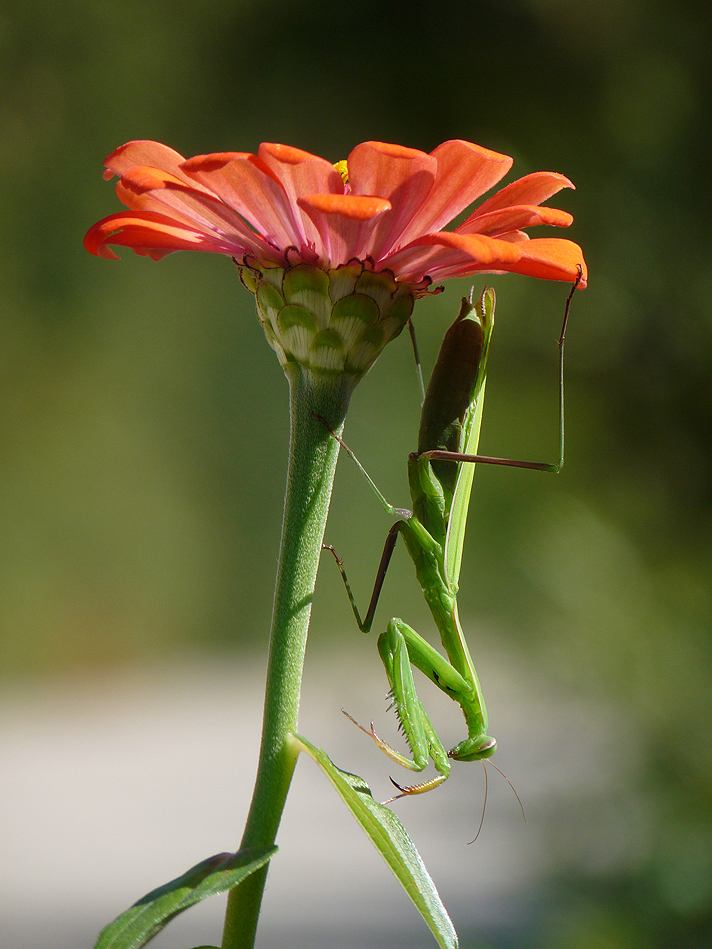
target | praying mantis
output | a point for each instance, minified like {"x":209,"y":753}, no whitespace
{"x":440,"y":475}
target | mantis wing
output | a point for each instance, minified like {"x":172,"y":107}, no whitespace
{"x":483,"y":313}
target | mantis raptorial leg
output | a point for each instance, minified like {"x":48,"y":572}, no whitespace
{"x":440,"y":475}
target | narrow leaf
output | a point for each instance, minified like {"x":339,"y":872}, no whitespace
{"x":389,"y":837}
{"x":146,"y":918}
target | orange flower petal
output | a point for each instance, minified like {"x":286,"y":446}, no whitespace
{"x":500,"y":222}
{"x":344,"y":222}
{"x":301,"y":173}
{"x":285,"y":205}
{"x":446,"y":254}
{"x":464,"y":172}
{"x":144,"y":152}
{"x":378,"y":168}
{"x":150,"y":189}
{"x":352,"y":206}
{"x":303,"y":164}
{"x":149,"y":234}
{"x":531,"y":189}
{"x":245,"y":183}
{"x":551,"y":258}
{"x":404,"y":176}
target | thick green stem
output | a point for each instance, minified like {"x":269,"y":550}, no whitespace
{"x":312,"y":462}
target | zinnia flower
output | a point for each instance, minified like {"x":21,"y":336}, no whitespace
{"x":336,"y":255}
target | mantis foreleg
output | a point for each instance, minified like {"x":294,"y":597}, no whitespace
{"x":417,"y":729}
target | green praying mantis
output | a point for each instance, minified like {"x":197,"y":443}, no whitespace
{"x":440,"y":475}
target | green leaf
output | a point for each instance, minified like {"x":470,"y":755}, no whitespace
{"x":389,"y":837}
{"x":146,"y":918}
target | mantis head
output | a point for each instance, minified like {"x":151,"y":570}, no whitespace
{"x":474,"y":749}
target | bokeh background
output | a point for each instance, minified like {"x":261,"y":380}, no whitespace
{"x":143,"y":425}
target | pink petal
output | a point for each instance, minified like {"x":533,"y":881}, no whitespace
{"x":344,"y":222}
{"x":404,"y":176}
{"x":247,"y":185}
{"x":498,"y":223}
{"x":464,"y":172}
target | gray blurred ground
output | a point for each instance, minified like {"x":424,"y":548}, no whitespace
{"x":110,"y":788}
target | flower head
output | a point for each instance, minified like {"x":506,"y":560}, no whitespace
{"x":370,"y":229}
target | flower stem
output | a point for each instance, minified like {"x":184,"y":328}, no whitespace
{"x":312,"y":462}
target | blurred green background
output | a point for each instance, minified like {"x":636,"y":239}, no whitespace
{"x":144,"y":419}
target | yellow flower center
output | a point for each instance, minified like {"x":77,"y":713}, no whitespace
{"x":343,"y":170}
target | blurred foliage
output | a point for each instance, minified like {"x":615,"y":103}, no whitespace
{"x":143,"y":419}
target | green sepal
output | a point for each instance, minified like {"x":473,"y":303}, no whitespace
{"x":146,"y":918}
{"x":297,"y":327}
{"x":269,"y":299}
{"x":328,"y":352}
{"x":357,"y":308}
{"x":379,"y":286}
{"x":366,"y":349}
{"x":389,"y":837}
{"x":308,"y":286}
{"x":342,"y":280}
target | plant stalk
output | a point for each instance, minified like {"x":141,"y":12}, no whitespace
{"x":313,"y":454}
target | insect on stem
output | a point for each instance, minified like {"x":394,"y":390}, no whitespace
{"x":440,"y":477}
